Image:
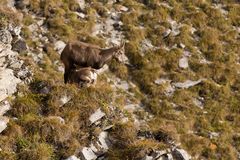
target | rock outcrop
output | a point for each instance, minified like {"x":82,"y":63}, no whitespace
{"x":12,"y":71}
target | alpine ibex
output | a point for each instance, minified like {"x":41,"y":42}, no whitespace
{"x":88,"y":55}
{"x":83,"y":76}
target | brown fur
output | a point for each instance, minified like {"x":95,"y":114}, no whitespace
{"x":87,"y":55}
{"x":82,"y":76}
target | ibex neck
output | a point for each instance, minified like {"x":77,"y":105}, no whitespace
{"x":107,"y":54}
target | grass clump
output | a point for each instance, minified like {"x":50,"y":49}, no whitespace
{"x":119,"y":69}
{"x":8,"y":16}
{"x":38,"y":151}
{"x":26,"y":104}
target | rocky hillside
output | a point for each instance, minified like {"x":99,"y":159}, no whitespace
{"x":178,"y":99}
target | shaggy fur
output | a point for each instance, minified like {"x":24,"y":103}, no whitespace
{"x":87,"y":55}
{"x":82,"y":76}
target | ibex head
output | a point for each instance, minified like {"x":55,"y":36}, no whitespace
{"x":120,"y":53}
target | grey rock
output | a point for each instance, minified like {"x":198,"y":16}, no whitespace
{"x":175,"y":32}
{"x":5,"y":36}
{"x":4,"y":107}
{"x":73,"y":157}
{"x":199,"y":102}
{"x":182,"y":45}
{"x":166,"y":33}
{"x":213,"y":135}
{"x":115,"y":16}
{"x":3,"y":123}
{"x":88,"y":154}
{"x":40,"y":22}
{"x":187,"y":83}
{"x":10,"y":57}
{"x":81,"y":15}
{"x":174,"y":27}
{"x":118,"y":25}
{"x":186,"y":53}
{"x":19,"y":46}
{"x":160,"y":81}
{"x":17,"y":64}
{"x":24,"y":74}
{"x":122,"y":84}
{"x":103,"y":139}
{"x":35,"y":57}
{"x":192,"y":30}
{"x":42,"y":87}
{"x":45,"y":90}
{"x":44,"y":39}
{"x":40,"y":56}
{"x":59,"y":46}
{"x":33,"y":27}
{"x":169,"y":156}
{"x":11,"y":3}
{"x":166,"y":157}
{"x":96,"y":116}
{"x":2,"y":61}
{"x":183,"y":63}
{"x":3,"y":47}
{"x":123,"y":8}
{"x":180,"y":154}
{"x":64,"y":99}
{"x":146,"y":45}
{"x":168,"y":88}
{"x":107,"y":127}
{"x":14,"y":30}
{"x":148,"y":158}
{"x":93,"y":148}
{"x":8,"y":83}
{"x":160,"y":153}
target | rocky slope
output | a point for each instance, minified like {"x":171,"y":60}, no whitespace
{"x":178,"y":99}
{"x":13,"y":71}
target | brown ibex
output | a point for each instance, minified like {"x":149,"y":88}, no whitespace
{"x":83,"y":76}
{"x":88,"y":55}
